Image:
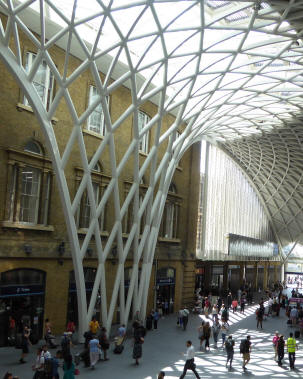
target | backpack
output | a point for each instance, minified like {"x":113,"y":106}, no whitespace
{"x":242,"y":346}
{"x":229,"y":345}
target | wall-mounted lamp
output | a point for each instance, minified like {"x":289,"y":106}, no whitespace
{"x":90,"y":252}
{"x":27,"y":249}
{"x":61,"y":249}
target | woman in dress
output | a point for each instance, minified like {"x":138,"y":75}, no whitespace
{"x":69,"y":368}
{"x":104,"y":342}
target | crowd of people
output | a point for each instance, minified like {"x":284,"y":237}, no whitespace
{"x":216,"y":313}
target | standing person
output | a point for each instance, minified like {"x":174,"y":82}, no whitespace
{"x":215,"y":313}
{"x":260,"y":314}
{"x":216,"y":330}
{"x":190,"y":360}
{"x":291,"y":349}
{"x":65,"y":345}
{"x":224,"y":331}
{"x":275,"y":344}
{"x":294,"y":315}
{"x":104,"y":342}
{"x":280,"y":349}
{"x":239,"y":294}
{"x":245,"y":350}
{"x":138,"y":341}
{"x":56,"y":364}
{"x":161,"y":375}
{"x":185,"y":314}
{"x":234,"y":305}
{"x":156,"y":317}
{"x":94,"y":347}
{"x":11,"y":331}
{"x":224,"y":314}
{"x":38,"y":367}
{"x":122,"y":331}
{"x":94,"y":325}
{"x":25,"y":342}
{"x":166,"y":307}
{"x":69,"y":368}
{"x":229,"y":346}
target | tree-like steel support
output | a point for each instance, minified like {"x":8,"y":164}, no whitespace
{"x":194,"y":62}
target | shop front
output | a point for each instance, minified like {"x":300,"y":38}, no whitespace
{"x":234,"y":282}
{"x":22,"y":293}
{"x":165,"y":287}
{"x":199,"y":283}
{"x":72,"y":307}
{"x":217,"y":279}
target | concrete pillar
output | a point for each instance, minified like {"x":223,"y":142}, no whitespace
{"x":282,"y":272}
{"x":225,"y":276}
{"x":275,"y":273}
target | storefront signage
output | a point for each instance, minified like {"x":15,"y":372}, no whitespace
{"x":88,"y":286}
{"x":296,"y":300}
{"x":29,"y":290}
{"x":165,"y":281}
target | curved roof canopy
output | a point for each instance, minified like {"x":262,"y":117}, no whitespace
{"x":231,"y":71}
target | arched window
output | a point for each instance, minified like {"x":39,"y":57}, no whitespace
{"x":33,"y":147}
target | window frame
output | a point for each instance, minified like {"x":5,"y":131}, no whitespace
{"x":144,"y":141}
{"x":48,"y":84}
{"x":90,"y":127}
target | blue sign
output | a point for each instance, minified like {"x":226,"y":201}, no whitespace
{"x":88,"y":286}
{"x":26,"y":290}
{"x":165,"y":281}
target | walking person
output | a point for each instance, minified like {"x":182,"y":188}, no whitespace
{"x":201,"y":334}
{"x":229,"y":300}
{"x":94,"y":347}
{"x":216,"y":330}
{"x":156,"y":317}
{"x":234,"y":305}
{"x":104,"y":343}
{"x":185,"y":314}
{"x":291,"y":349}
{"x":275,"y":344}
{"x":69,"y":368}
{"x":190,"y":360}
{"x":138,"y":341}
{"x":245,"y":350}
{"x":206,"y":334}
{"x":38,"y":367}
{"x":224,"y":331}
{"x":260,"y":314}
{"x":214,"y":313}
{"x":25,"y":342}
{"x":229,"y":346}
{"x":242,"y":304}
{"x":280,"y":349}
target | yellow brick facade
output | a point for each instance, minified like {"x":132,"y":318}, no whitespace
{"x":18,"y":125}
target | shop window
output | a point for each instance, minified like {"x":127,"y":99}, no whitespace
{"x":169,"y":224}
{"x":43,"y":80}
{"x":143,"y":120}
{"x":96,"y":121}
{"x":29,"y":184}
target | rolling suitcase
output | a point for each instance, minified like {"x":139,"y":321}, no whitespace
{"x":118,"y":349}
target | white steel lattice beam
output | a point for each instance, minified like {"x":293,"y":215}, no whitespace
{"x":229,"y":73}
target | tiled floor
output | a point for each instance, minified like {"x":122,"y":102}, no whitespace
{"x":163,"y":350}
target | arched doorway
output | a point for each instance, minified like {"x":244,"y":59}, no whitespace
{"x":22,"y":293}
{"x":165,"y":282}
{"x":72,"y":304}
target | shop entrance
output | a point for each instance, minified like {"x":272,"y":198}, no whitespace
{"x":165,"y":285}
{"x":72,"y":306}
{"x":22,"y":297}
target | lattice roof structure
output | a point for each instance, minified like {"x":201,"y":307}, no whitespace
{"x":230,"y":72}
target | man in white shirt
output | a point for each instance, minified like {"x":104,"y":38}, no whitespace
{"x":190,"y":357}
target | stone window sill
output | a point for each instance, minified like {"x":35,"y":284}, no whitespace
{"x":21,"y":107}
{"x":20,"y":225}
{"x":179,"y":168}
{"x":93,"y":134}
{"x":84,"y":231}
{"x":142,"y":153}
{"x":169,"y":240}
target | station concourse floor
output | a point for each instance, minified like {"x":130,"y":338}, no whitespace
{"x":163,"y":350}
